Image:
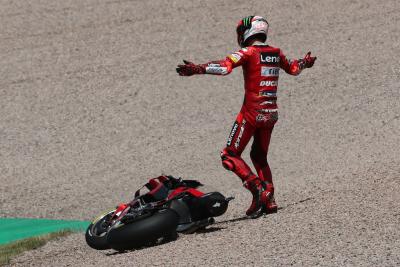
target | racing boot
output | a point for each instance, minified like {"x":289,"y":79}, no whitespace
{"x":256,"y":187}
{"x":267,"y":199}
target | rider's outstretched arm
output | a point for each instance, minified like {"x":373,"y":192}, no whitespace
{"x":220,"y":67}
{"x":295,"y":66}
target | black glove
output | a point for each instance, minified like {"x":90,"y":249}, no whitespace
{"x":307,"y":61}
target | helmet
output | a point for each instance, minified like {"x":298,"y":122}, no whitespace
{"x":251,"y":26}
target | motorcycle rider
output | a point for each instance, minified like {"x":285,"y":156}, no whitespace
{"x":259,"y":113}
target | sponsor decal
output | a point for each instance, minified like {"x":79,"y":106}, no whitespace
{"x":260,"y":117}
{"x":268,"y":102}
{"x":269,"y":83}
{"x":266,"y":117}
{"x":237,"y":143}
{"x":270,"y":71}
{"x":232,"y":134}
{"x":216,"y":70}
{"x":216,"y":205}
{"x":269,"y":58}
{"x":267,"y":93}
{"x":267,"y":110}
{"x":235,"y":57}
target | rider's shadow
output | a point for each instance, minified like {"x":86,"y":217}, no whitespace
{"x":209,"y":229}
{"x":243,"y":218}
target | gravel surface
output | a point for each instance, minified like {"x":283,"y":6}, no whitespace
{"x":91,"y":106}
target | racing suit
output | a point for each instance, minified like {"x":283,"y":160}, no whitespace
{"x":259,"y":113}
{"x":261,"y":64}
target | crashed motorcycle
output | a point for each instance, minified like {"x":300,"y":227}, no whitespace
{"x":170,"y":206}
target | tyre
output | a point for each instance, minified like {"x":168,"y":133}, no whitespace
{"x":144,"y":232}
{"x":96,"y":233}
{"x":208,"y":205}
{"x":213,"y":204}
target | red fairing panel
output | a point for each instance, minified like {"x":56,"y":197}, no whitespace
{"x":179,"y":190}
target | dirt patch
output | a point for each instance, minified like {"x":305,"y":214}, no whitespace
{"x":91,"y":106}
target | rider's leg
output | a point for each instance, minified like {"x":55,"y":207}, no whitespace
{"x":258,"y":155}
{"x":231,"y":159}
{"x":259,"y":152}
{"x":238,"y":138}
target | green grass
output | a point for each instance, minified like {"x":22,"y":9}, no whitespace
{"x":11,"y":250}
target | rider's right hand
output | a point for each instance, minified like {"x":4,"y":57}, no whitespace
{"x":189,"y":69}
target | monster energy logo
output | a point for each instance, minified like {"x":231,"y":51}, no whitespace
{"x":247,"y":21}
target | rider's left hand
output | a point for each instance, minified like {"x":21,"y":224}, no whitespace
{"x":309,"y":60}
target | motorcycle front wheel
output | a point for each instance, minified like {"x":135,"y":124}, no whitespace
{"x":96,"y":233}
{"x":143,"y":231}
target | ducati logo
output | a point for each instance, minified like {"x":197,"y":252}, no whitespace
{"x":269,"y":83}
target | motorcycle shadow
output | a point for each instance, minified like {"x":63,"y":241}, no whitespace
{"x":209,"y":230}
{"x":156,"y":244}
{"x":206,"y":230}
{"x":242,"y":218}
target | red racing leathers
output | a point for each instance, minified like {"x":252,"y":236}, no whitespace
{"x":259,"y":113}
{"x":261,"y":66}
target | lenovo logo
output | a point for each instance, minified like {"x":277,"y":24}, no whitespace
{"x":269,"y":58}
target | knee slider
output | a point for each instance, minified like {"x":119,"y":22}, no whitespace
{"x":227,"y":162}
